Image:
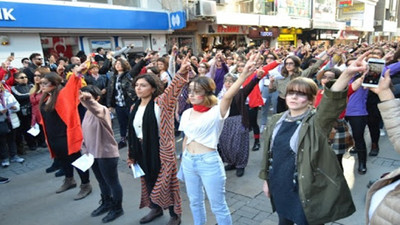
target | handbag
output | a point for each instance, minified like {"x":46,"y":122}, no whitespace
{"x":4,"y":129}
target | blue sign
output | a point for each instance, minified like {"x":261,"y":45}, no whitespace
{"x":28,"y":15}
{"x":178,"y":20}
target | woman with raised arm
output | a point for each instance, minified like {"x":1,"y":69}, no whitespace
{"x":62,"y":126}
{"x":152,"y":143}
{"x":202,"y":166}
{"x":302,"y":176}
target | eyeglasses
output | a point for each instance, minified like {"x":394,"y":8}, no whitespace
{"x":273,"y":58}
{"x":240,"y":65}
{"x":202,"y":66}
{"x":290,"y":63}
{"x":229,"y":81}
{"x":297,"y":93}
{"x":23,"y":77}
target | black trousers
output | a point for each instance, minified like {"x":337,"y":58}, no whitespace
{"x":106,"y":172}
{"x":66,"y":163}
{"x":253,"y":112}
{"x":358,"y":124}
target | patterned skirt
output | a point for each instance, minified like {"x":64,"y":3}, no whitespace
{"x":233,"y":144}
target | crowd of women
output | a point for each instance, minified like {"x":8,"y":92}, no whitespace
{"x":213,"y":99}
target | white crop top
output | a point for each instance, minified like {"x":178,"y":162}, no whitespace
{"x":206,"y":129}
{"x":138,"y":121}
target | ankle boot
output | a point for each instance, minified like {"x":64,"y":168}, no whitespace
{"x":115,"y":212}
{"x":154,"y":213}
{"x":374,"y":150}
{"x":362,"y":162}
{"x":256,"y":145}
{"x":105,"y":206}
{"x":69,"y":183}
{"x":54,"y":166}
{"x":86,"y":189}
{"x":175,"y":220}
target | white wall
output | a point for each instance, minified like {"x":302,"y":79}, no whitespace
{"x":23,"y":45}
{"x":159,"y":43}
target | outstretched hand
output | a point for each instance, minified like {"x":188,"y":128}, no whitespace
{"x":185,"y":65}
{"x":251,"y":64}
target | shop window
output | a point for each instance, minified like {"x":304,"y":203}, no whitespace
{"x":130,"y":3}
{"x":100,"y":43}
{"x":60,"y":46}
{"x":138,"y":44}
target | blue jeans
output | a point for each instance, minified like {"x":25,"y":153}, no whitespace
{"x":271,"y":99}
{"x":206,"y":171}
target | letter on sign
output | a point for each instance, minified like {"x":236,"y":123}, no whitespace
{"x":5,"y":14}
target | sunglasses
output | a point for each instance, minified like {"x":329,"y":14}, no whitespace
{"x":23,"y":77}
{"x":297,"y":93}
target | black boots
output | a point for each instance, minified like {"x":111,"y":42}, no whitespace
{"x":374,"y":150}
{"x":105,"y":206}
{"x":54,"y":166}
{"x":256,"y":145}
{"x":115,"y":212}
{"x":362,"y":162}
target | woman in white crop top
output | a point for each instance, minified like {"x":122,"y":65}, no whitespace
{"x":152,"y":143}
{"x":201,"y":165}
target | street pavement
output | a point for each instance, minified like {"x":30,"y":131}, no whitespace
{"x":30,"y":198}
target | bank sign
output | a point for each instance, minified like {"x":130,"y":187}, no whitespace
{"x":45,"y":16}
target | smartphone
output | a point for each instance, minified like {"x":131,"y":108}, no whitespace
{"x":375,"y":67}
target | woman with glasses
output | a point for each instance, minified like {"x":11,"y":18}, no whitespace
{"x":290,"y":70}
{"x":21,"y":92}
{"x":62,"y":126}
{"x":203,"y":69}
{"x":339,"y":142}
{"x":301,"y":174}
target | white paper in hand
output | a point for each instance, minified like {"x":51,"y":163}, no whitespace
{"x":137,"y":170}
{"x":84,"y":162}
{"x":35,"y":130}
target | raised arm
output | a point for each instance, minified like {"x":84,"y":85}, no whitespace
{"x":247,"y":71}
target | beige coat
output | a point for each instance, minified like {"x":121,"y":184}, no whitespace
{"x":388,"y":211}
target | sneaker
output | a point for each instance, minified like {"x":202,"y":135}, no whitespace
{"x":17,"y":159}
{"x":121,"y":144}
{"x":5,"y":163}
{"x":262,"y":128}
{"x":382,"y":132}
{"x":4,"y":180}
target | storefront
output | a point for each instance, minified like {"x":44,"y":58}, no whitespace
{"x":289,"y":36}
{"x":222,"y":36}
{"x":55,"y":31}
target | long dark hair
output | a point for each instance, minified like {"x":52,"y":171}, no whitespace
{"x":154,"y":82}
{"x":56,"y":81}
{"x":297,"y":71}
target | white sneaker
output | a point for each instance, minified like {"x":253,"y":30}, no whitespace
{"x":5,"y":162}
{"x":382,"y":132}
{"x":17,"y":159}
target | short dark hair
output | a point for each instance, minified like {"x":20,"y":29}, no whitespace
{"x":33,"y":55}
{"x":93,"y":90}
{"x":23,"y":59}
{"x":99,"y":49}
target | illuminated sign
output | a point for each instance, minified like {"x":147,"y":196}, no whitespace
{"x":6,"y":14}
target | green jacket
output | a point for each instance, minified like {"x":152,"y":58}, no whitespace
{"x":323,"y":190}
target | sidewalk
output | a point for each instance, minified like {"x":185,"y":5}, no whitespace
{"x":30,"y":198}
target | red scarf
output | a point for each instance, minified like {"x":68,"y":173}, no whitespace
{"x":201,"y":108}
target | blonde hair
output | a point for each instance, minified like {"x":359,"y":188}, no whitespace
{"x":208,"y":85}
{"x":42,"y":71}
